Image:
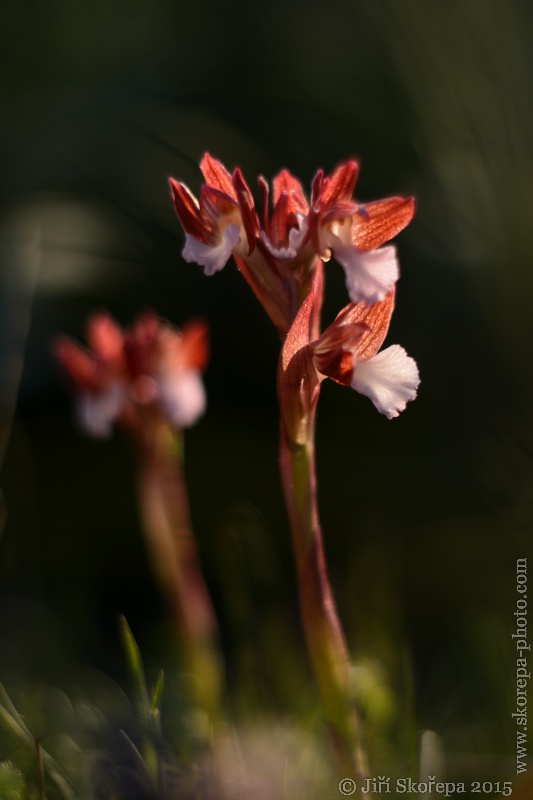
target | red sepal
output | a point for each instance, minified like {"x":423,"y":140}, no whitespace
{"x":104,"y":337}
{"x":188,"y":211}
{"x":214,"y":206}
{"x":78,"y":364}
{"x":194,"y":345}
{"x":263,"y":187}
{"x":247,"y":207}
{"x":381,"y":220}
{"x":216,"y":175}
{"x":316,"y":186}
{"x":289,"y":200}
{"x":376,"y":319}
{"x":279,"y":220}
{"x":284,"y":182}
{"x":340,"y":186}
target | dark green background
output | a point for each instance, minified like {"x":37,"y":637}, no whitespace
{"x":423,"y":516}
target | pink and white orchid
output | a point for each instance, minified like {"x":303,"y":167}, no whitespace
{"x":214,"y":225}
{"x":355,"y":232}
{"x":151,"y":368}
{"x":277,"y":252}
{"x":347,"y":352}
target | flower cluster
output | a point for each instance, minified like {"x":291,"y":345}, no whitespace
{"x":280,"y":251}
{"x":151,"y":368}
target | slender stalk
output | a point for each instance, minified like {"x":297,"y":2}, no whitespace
{"x":323,"y":632}
{"x":166,"y":520}
{"x":40,"y":769}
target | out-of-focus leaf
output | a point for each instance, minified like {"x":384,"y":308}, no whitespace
{"x":12,"y":786}
{"x":149,"y":758}
{"x":135,"y":664}
{"x":14,"y":722}
{"x":157,"y":691}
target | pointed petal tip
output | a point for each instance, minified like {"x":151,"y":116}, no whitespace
{"x":340,"y":185}
{"x":195,"y":344}
{"x":77,"y":363}
{"x":381,"y":220}
{"x":216,"y":175}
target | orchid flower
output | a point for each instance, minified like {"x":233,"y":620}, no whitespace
{"x":224,"y":223}
{"x":277,"y":252}
{"x":347,"y":352}
{"x":151,"y":367}
{"x":355,"y":232}
{"x":214,"y":225}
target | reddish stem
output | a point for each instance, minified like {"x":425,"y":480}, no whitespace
{"x":173,"y":551}
{"x":323,"y":632}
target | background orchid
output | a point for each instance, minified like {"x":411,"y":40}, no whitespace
{"x":152,"y":368}
{"x":148,"y":379}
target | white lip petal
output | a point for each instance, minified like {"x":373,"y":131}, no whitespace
{"x":390,"y":379}
{"x":182,"y":397}
{"x":371,"y":274}
{"x":296,"y":237}
{"x":212,"y":258}
{"x":96,"y":413}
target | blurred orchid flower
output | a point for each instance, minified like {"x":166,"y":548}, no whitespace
{"x":150,"y":368}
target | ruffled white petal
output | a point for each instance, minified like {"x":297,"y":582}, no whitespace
{"x":96,"y":413}
{"x":296,"y":237}
{"x":390,"y":379}
{"x":182,"y":397}
{"x":369,"y":274}
{"x":212,"y":258}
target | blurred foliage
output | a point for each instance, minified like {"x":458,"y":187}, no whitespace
{"x":11,"y":782}
{"x":424,"y":517}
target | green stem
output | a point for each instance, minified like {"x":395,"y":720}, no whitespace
{"x":324,"y":636}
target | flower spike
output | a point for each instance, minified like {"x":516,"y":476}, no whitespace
{"x":280,"y":253}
